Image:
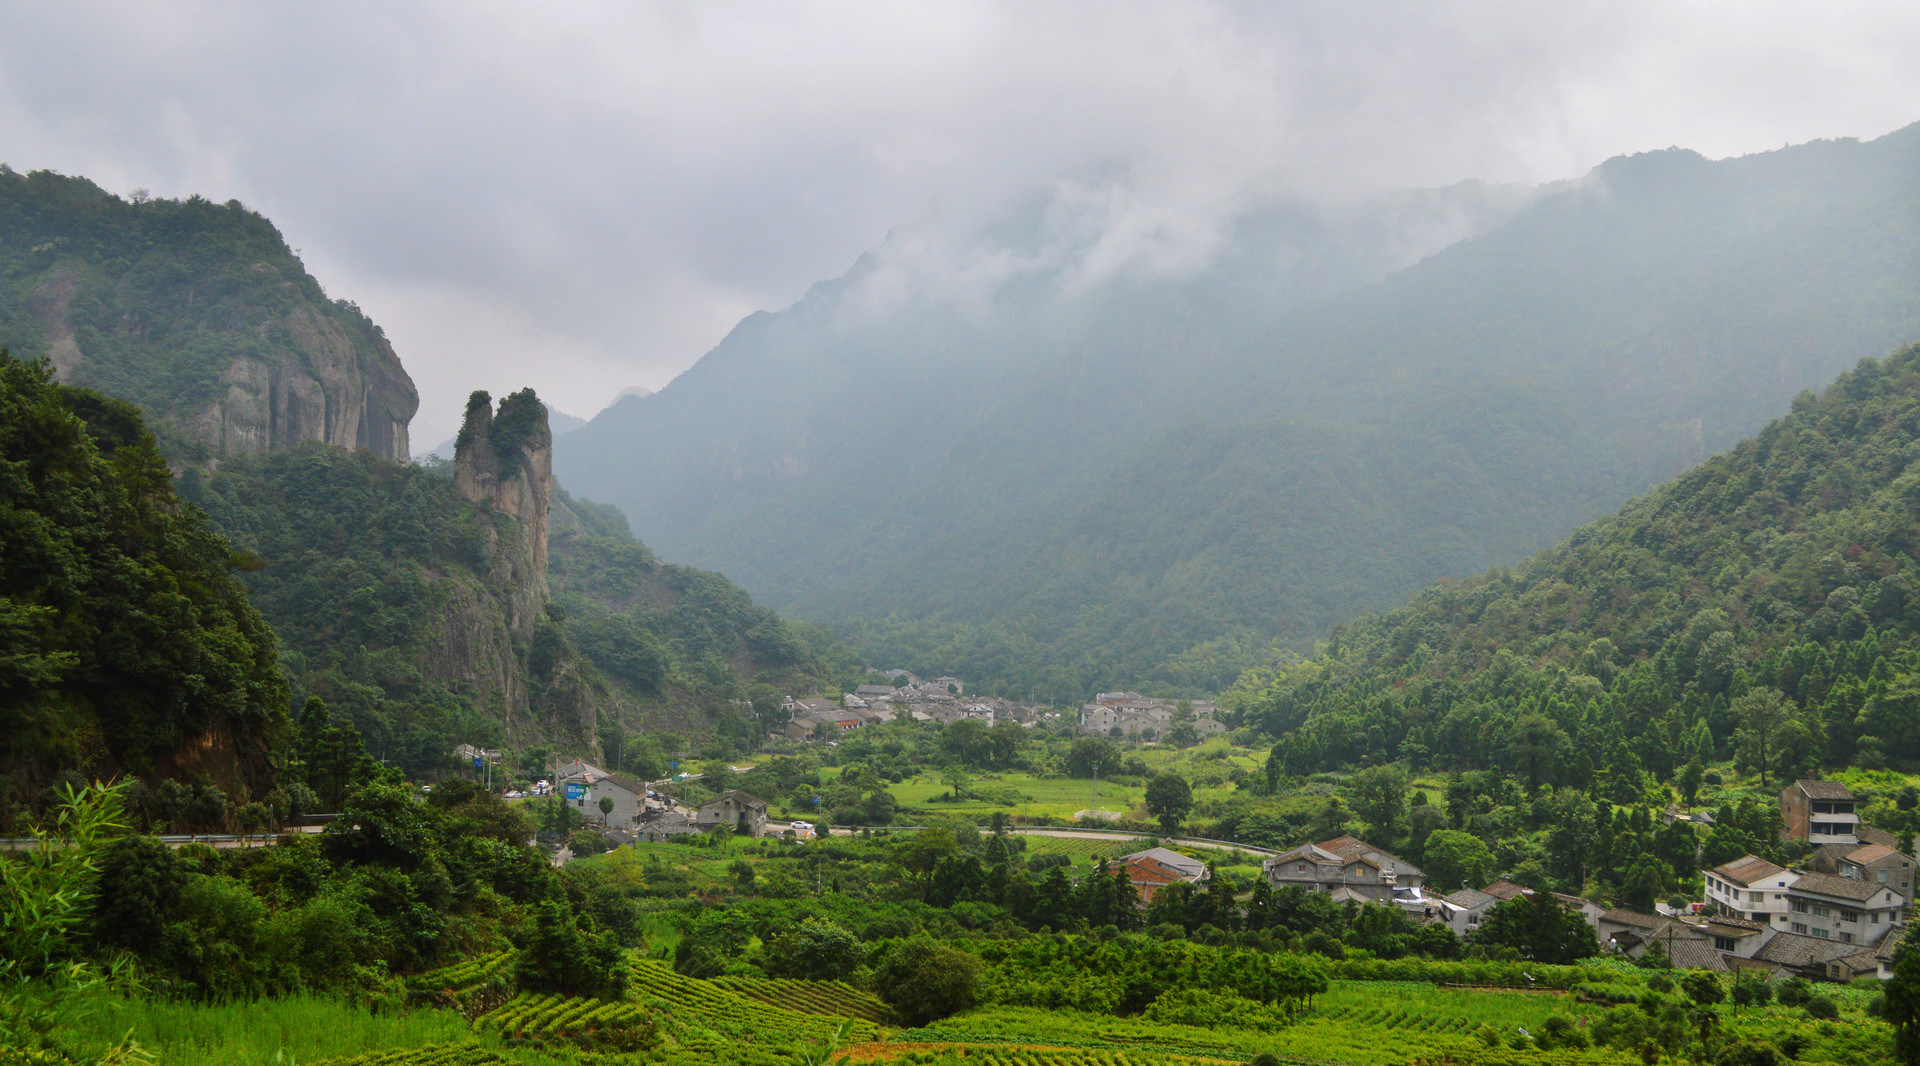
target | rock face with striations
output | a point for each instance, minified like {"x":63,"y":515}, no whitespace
{"x":199,"y":313}
{"x":505,"y":459}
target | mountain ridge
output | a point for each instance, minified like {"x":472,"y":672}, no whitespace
{"x":957,"y":498}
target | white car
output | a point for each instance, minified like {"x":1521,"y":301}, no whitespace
{"x":801,"y":830}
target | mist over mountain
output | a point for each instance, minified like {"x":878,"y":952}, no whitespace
{"x":1066,"y":457}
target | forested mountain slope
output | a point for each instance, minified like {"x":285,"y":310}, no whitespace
{"x":126,"y":645}
{"x":1767,"y":602}
{"x":199,"y":313}
{"x":418,"y":604}
{"x":1148,"y":482}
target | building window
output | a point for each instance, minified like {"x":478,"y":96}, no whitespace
{"x":1819,"y":934}
{"x":1821,"y":910}
{"x":1757,"y":897}
{"x":1724,"y":943}
{"x":1846,"y":938}
{"x":1800,"y":927}
{"x":1799,"y":905}
{"x":1849,"y":916}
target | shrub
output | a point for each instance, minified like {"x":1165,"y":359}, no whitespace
{"x":924,"y":981}
{"x":1794,"y":992}
{"x":1822,"y":1008}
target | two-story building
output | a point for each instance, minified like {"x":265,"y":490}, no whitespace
{"x":1752,"y":888}
{"x":627,"y":797}
{"x":746,"y":812}
{"x":1876,"y":863}
{"x":1845,"y":909}
{"x":1824,"y":812}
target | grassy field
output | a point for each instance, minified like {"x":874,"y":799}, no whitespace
{"x":293,"y":1029}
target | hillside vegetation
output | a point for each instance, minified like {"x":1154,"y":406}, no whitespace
{"x":126,"y":643}
{"x":1148,"y":483}
{"x":1759,"y":605}
{"x":197,"y":312}
{"x":377,"y":577}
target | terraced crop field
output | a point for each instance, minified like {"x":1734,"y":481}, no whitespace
{"x":697,"y":1009}
{"x":458,"y":1053}
{"x":464,"y":975}
{"x":811,"y":997}
{"x":540,"y":1016}
{"x":991,"y":1055}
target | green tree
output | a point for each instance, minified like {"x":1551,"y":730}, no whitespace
{"x":563,"y":958}
{"x":1901,"y":1007}
{"x":1169,"y":798}
{"x":1457,"y":859}
{"x":1379,"y":795}
{"x":818,"y":950}
{"x":1703,"y":987}
{"x":1761,"y":714}
{"x":1540,"y":929}
{"x":924,"y":981}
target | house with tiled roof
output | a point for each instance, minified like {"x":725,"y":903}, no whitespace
{"x":1463,"y":911}
{"x":1750,"y":887}
{"x":1824,"y":812}
{"x":1817,"y":958}
{"x":1347,"y":862}
{"x":1877,"y":863}
{"x":1506,"y":890}
{"x":746,"y":812}
{"x":1622,"y":930}
{"x":1845,"y":909}
{"x":1151,"y":870}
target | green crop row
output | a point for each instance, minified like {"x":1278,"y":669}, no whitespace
{"x":811,"y":997}
{"x":466,"y":974}
{"x":538,"y":1016}
{"x":461,"y":1053}
{"x":696,"y":1007}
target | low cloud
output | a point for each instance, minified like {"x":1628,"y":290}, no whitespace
{"x":584,"y":197}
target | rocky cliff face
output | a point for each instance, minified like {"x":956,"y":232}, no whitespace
{"x":336,"y":392}
{"x":199,"y":313}
{"x":506,"y":460}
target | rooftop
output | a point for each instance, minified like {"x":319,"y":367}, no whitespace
{"x":1840,"y":887}
{"x":1748,"y":869}
{"x":1633,"y":919}
{"x":1797,"y":949}
{"x":1188,"y":866}
{"x":1823,"y":790}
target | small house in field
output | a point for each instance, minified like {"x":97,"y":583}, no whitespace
{"x":744,"y":811}
{"x":1151,"y":870}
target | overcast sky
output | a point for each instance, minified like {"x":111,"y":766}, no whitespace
{"x":583,"y":197}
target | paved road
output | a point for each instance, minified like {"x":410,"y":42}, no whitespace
{"x":1071,"y":833}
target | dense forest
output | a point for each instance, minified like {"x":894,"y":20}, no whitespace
{"x":1758,"y":605}
{"x":127,"y":644}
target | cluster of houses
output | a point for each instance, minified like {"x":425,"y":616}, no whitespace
{"x":636,"y":812}
{"x":1839,"y":919}
{"x":941,"y":701}
{"x":1133,"y":715}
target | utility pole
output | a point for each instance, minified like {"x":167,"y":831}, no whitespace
{"x":1095,"y":807}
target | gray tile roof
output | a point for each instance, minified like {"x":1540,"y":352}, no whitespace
{"x":1838,"y":887}
{"x":1632,"y":919}
{"x":1796,"y":949}
{"x":1748,"y":869}
{"x":1824,"y":790}
{"x":1471,"y":898}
